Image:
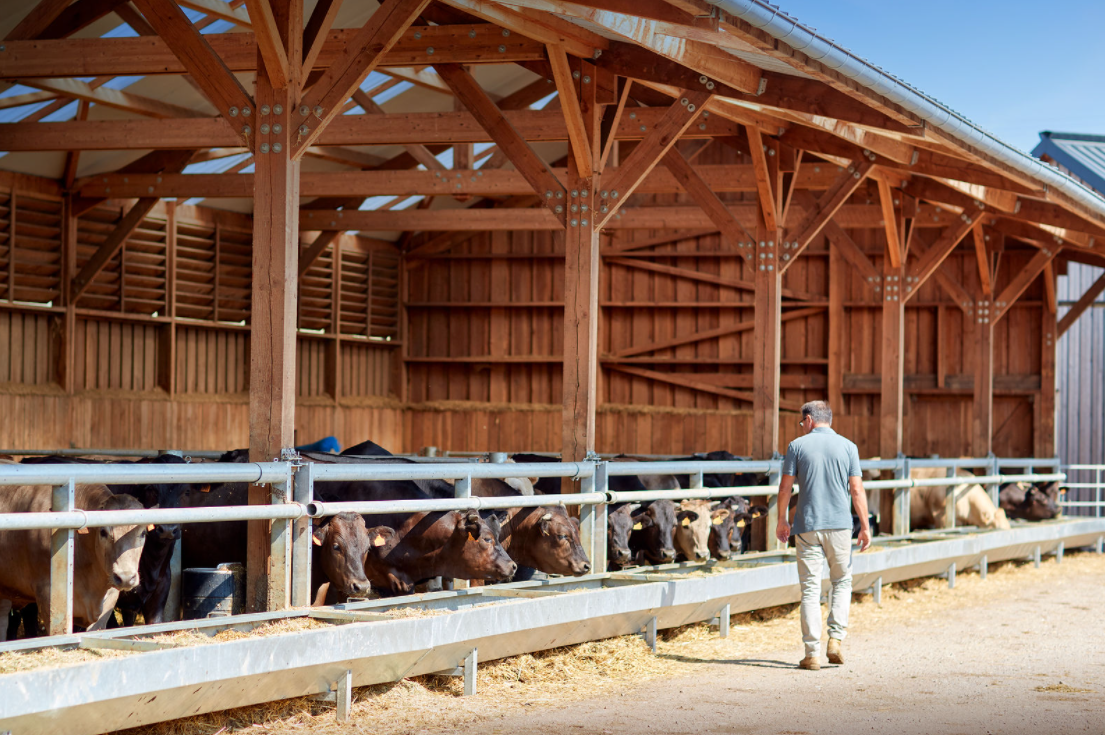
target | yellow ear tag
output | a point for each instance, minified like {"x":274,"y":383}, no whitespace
{"x":150,"y":528}
{"x":380,"y":540}
{"x":82,"y":531}
{"x":471,"y":537}
{"x":740,"y":524}
{"x":316,"y":541}
{"x":637,"y":527}
{"x":686,"y":523}
{"x":718,"y":520}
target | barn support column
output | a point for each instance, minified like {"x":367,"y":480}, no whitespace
{"x":1045,"y":414}
{"x":891,"y":393}
{"x":275,"y":271}
{"x":983,"y":411}
{"x":765,"y":369}
{"x":581,"y":267}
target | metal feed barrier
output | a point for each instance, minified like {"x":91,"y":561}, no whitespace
{"x":365,"y":643}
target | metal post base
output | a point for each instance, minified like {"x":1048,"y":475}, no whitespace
{"x":1036,"y":557}
{"x":467,"y":669}
{"x":951,"y":576}
{"x":1101,"y":544}
{"x":876,"y":591}
{"x":1059,"y":552}
{"x":341,"y":694}
{"x":649,"y":633}
{"x":721,"y":621}
{"x":983,"y":567}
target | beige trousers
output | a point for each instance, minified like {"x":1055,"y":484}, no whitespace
{"x":814,"y":548}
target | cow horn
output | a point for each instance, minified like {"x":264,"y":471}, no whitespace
{"x":547,"y":517}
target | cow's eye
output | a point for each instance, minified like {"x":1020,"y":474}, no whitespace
{"x":105,"y":533}
{"x":562,"y":537}
{"x":337,"y":547}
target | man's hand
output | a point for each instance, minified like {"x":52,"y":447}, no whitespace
{"x":782,"y":532}
{"x":864,"y":538}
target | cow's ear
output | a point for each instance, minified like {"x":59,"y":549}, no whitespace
{"x":687,"y":517}
{"x":575,"y":522}
{"x":719,"y":515}
{"x":318,"y":536}
{"x":380,"y":535}
{"x":205,"y":488}
{"x":545,"y":524}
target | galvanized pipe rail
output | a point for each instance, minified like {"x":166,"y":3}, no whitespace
{"x":293,"y":506}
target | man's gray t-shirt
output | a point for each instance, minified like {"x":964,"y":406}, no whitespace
{"x":822,"y":461}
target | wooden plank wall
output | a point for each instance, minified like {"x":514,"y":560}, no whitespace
{"x":486,"y":326}
{"x":158,"y":339}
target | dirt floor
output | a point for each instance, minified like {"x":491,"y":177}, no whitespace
{"x":1022,"y":652}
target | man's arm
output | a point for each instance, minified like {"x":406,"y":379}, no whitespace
{"x":782,"y":531}
{"x":859,"y":502}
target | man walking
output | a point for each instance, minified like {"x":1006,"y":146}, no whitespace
{"x":827,"y":468}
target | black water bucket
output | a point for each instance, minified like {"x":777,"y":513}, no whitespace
{"x":213,"y":593}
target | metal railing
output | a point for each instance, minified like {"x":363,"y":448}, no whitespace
{"x":292,"y":505}
{"x":1089,"y":493}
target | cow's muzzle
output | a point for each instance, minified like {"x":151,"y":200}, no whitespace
{"x":124,"y":583}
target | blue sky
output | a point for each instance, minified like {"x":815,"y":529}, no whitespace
{"x":1014,"y":68}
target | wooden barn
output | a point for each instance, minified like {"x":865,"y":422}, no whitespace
{"x":655,"y":227}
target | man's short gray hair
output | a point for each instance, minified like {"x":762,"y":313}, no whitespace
{"x":819,"y":410}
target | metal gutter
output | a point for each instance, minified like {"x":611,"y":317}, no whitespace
{"x":152,"y":686}
{"x":802,"y":38}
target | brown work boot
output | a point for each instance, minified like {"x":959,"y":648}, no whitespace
{"x":810,"y":663}
{"x":836,"y":656}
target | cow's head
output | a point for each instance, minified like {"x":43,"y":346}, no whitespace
{"x":480,"y":556}
{"x":555,"y":545}
{"x":116,"y":550}
{"x":344,"y":543}
{"x":654,"y":531}
{"x":721,"y":532}
{"x":165,"y":495}
{"x":619,"y":524}
{"x":692,"y":535}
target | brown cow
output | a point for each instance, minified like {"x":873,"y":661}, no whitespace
{"x":1031,"y":502}
{"x":457,"y":544}
{"x":545,"y":539}
{"x":105,"y":560}
{"x":973,"y":506}
{"x":338,"y":562}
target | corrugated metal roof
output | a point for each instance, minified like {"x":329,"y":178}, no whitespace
{"x":1082,"y":155}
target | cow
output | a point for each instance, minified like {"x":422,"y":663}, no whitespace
{"x":155,"y":576}
{"x":652,"y":539}
{"x":338,"y":548}
{"x":619,"y":526}
{"x":1030,"y":502}
{"x":545,"y":539}
{"x":456,"y":544}
{"x":337,"y":565}
{"x":692,"y":535}
{"x":419,"y":546}
{"x":973,"y":506}
{"x":729,"y":519}
{"x":105,"y":560}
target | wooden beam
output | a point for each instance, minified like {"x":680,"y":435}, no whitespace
{"x":923,"y":268}
{"x":1022,"y":281}
{"x":38,"y":20}
{"x":324,"y":101}
{"x":506,"y":136}
{"x":838,"y":284}
{"x":573,"y":118}
{"x":892,"y":362}
{"x":851,"y":252}
{"x":274,"y":285}
{"x":894,"y":245}
{"x":112,"y":245}
{"x":316,"y":31}
{"x":765,"y":186}
{"x":73,"y":158}
{"x":702,"y":277}
{"x":420,"y":153}
{"x":827,"y":206}
{"x":189,"y":45}
{"x":268,"y":42}
{"x":127,"y":101}
{"x":1080,"y":306}
{"x":982,"y":256}
{"x":581,"y":267}
{"x":1044,"y":429}
{"x":982,"y":413}
{"x":1050,"y":301}
{"x":713,"y":333}
{"x":542,"y":27}
{"x":78,"y":16}
{"x":766,"y":350}
{"x":219,"y":9}
{"x":30,"y":98}
{"x":619,"y":184}
{"x":94,"y":57}
{"x":715,"y":209}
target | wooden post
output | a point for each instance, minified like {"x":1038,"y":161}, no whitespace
{"x":1045,"y":423}
{"x":581,"y":288}
{"x":894,"y":295}
{"x":838,"y":275}
{"x":766,"y":343}
{"x":983,"y":421}
{"x":166,"y":368}
{"x":67,"y":355}
{"x":275,"y":272}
